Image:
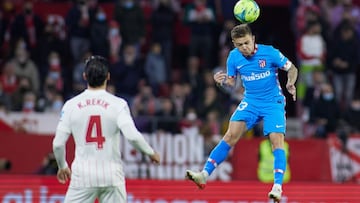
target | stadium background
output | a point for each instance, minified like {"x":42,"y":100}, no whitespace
{"x":321,"y":171}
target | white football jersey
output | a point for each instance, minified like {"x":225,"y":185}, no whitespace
{"x":95,"y":118}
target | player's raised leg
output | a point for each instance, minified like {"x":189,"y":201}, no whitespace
{"x":218,"y":154}
{"x":277,"y":140}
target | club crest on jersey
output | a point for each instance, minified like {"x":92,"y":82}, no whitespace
{"x":262,"y":63}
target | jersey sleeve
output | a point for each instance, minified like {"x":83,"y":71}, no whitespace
{"x":124,"y":117}
{"x":230,"y":66}
{"x":62,"y":134}
{"x":59,"y":143}
{"x":280,"y":60}
{"x":64,"y":121}
{"x":131,"y":133}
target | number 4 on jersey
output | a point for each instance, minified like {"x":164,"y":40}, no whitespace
{"x":94,"y":131}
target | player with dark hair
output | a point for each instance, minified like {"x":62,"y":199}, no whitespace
{"x":257,"y":65}
{"x":96,"y":119}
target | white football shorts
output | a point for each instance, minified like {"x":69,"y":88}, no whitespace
{"x":111,"y":194}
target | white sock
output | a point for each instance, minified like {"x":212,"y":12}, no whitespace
{"x":278,"y":185}
{"x":205,"y":173}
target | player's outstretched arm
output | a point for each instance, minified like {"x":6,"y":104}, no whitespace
{"x":127,"y":126}
{"x":137,"y":140}
{"x":292,"y":77}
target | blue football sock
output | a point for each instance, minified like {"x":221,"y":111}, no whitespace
{"x":279,"y":165}
{"x":217,"y":156}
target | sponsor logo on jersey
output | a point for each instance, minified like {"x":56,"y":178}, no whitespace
{"x":256,"y":76}
{"x":262,"y":63}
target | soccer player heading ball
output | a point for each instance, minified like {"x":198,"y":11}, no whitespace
{"x":95,"y":119}
{"x":257,"y":65}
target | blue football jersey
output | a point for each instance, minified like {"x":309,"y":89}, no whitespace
{"x":259,"y":72}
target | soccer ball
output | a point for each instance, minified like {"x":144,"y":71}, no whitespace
{"x":246,"y":11}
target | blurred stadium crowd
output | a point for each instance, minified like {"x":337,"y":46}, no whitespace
{"x":328,"y":51}
{"x":163,"y":54}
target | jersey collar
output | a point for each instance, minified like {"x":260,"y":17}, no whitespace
{"x":95,"y":91}
{"x":255,"y":50}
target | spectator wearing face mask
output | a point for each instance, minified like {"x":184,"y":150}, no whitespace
{"x":78,"y":24}
{"x":128,"y":74}
{"x":99,"y":33}
{"x":51,"y":100}
{"x":29,"y":103}
{"x":130,"y":17}
{"x":54,"y":71}
{"x":115,"y":41}
{"x":17,"y":97}
{"x":57,"y":103}
{"x":325,"y":112}
{"x":54,"y":39}
{"x":28,"y":26}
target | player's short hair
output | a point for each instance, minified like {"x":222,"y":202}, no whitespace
{"x":96,"y":70}
{"x":240,"y":31}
